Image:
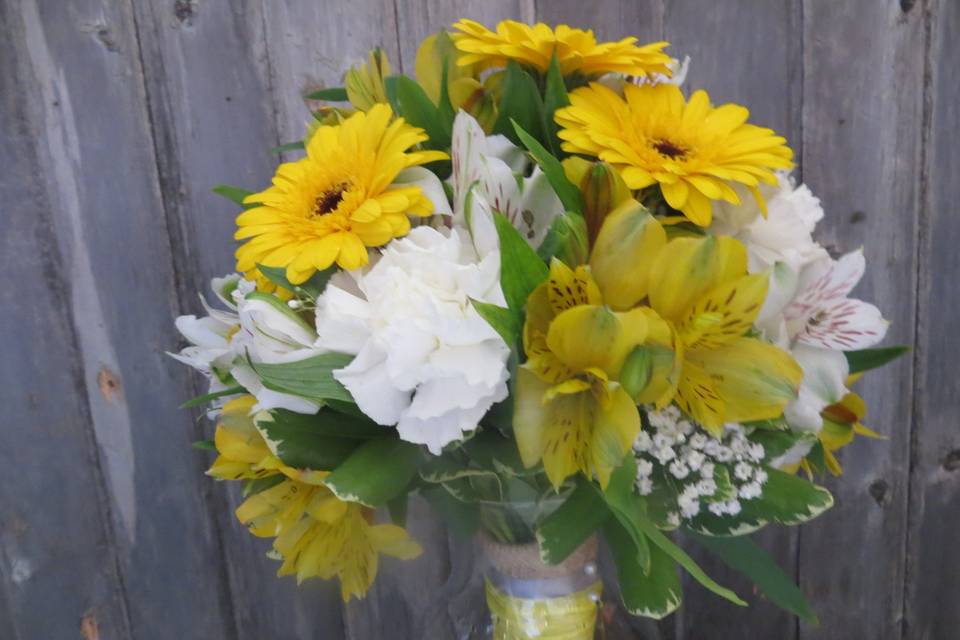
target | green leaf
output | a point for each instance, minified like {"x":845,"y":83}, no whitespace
{"x":554,"y":97}
{"x":777,"y":443}
{"x":566,"y":240}
{"x":866,"y":359}
{"x":235,"y":195}
{"x":685,"y":561}
{"x":419,"y":110}
{"x":304,"y":441}
{"x":462,"y":518}
{"x":571,"y":524}
{"x":742,"y":555}
{"x":289,"y":146}
{"x":311,"y":378}
{"x":207,"y":397}
{"x":330,"y":94}
{"x":379,"y":470}
{"x":786,"y":499}
{"x":312,"y":288}
{"x":330,"y":423}
{"x":568,"y":193}
{"x":520,"y":103}
{"x":281,"y":307}
{"x":501,"y":319}
{"x":626,"y":506}
{"x":398,"y":510}
{"x":204,"y":445}
{"x":654,"y":593}
{"x":521,"y":269}
{"x":489,"y":449}
{"x":251,"y":487}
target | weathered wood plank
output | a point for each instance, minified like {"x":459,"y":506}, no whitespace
{"x":206,"y":79}
{"x":311,"y":45}
{"x":863,"y":99}
{"x":89,"y":113}
{"x":759,"y":67}
{"x":932,"y":554}
{"x":56,"y":561}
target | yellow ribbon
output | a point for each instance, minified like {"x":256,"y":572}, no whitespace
{"x":571,"y":617}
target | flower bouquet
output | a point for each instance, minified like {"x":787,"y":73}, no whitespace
{"x":550,"y":292}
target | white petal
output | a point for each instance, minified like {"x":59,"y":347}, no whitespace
{"x":371,"y":388}
{"x":846,"y":325}
{"x":429,"y":184}
{"x":203,"y":332}
{"x":824,"y":375}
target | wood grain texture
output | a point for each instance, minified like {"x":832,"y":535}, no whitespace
{"x":932,"y":553}
{"x":862,"y":122}
{"x":57,"y":560}
{"x":88,"y":113}
{"x":207,"y":79}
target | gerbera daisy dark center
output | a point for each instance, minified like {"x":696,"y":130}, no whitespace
{"x":329,"y":200}
{"x":669,"y":149}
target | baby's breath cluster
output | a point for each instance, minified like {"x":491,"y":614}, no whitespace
{"x":704,"y":472}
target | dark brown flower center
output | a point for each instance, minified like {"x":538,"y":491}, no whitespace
{"x":329,"y":200}
{"x":669,"y":149}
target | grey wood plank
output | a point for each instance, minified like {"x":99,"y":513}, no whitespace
{"x":862,"y":117}
{"x":89,"y":112}
{"x":56,"y":561}
{"x":311,"y":44}
{"x":932,"y":555}
{"x":760,"y":68}
{"x":208,"y":87}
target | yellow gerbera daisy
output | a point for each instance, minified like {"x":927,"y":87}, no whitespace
{"x":693,"y":150}
{"x":317,"y":534}
{"x":576,"y":50}
{"x":329,"y":206}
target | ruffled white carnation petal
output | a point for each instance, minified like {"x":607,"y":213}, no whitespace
{"x":369,"y":383}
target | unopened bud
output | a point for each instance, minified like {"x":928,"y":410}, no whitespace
{"x":637,"y":370}
{"x":603,"y":189}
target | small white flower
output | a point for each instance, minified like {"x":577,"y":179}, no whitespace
{"x":643,"y":442}
{"x":706,"y":487}
{"x":689,"y":505}
{"x":698,"y":441}
{"x":760,"y":476}
{"x":743,"y":471}
{"x":706,"y":470}
{"x":694,"y":459}
{"x":644,"y":468}
{"x":679,"y":470}
{"x":750,"y":491}
{"x":664,"y":454}
{"x":673,"y":519}
{"x":644,"y":486}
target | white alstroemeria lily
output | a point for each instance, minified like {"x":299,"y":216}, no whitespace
{"x":489,"y":174}
{"x":784,"y":235}
{"x":822,"y":315}
{"x":825,"y":373}
{"x":425,"y":359}
{"x":258,"y":326}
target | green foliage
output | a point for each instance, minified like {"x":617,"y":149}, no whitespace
{"x":786,"y":499}
{"x":566,"y":240}
{"x":311,"y":378}
{"x":207,"y":397}
{"x":571,"y":524}
{"x":234,"y":194}
{"x":204,"y":445}
{"x":417,"y":108}
{"x":521,"y":103}
{"x":866,"y":359}
{"x":742,"y":555}
{"x":330,"y":94}
{"x":251,"y":487}
{"x":376,"y":472}
{"x":502,"y":320}
{"x":568,"y":192}
{"x":312,"y":288}
{"x":521,"y":268}
{"x":554,"y":97}
{"x":654,"y":592}
{"x":637,"y":370}
{"x":462,"y":518}
{"x":289,"y":146}
{"x":316,"y":442}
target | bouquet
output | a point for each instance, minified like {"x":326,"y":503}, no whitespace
{"x":554,"y":293}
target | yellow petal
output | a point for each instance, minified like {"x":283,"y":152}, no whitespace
{"x":623,"y":254}
{"x":726,"y":312}
{"x":615,"y":427}
{"x":394,"y":541}
{"x":593,"y":336}
{"x":530,"y":417}
{"x":568,"y":287}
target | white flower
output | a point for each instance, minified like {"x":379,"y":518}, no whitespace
{"x":821,"y":314}
{"x":489,"y":174}
{"x":784,"y":234}
{"x":825,"y":373}
{"x":425,"y":360}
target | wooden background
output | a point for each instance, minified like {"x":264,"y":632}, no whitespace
{"x":116,"y":118}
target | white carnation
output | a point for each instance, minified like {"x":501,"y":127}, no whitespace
{"x":425,"y":359}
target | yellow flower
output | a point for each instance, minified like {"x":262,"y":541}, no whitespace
{"x":841,"y":424}
{"x":576,"y":50}
{"x":437,"y":55}
{"x":570,"y":412}
{"x":696,"y":152}
{"x":700,"y":286}
{"x":365,"y":84}
{"x":317,"y":534}
{"x":329,"y":206}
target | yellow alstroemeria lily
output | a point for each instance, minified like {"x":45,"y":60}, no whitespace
{"x":570,"y":412}
{"x":841,"y":424}
{"x":437,"y":55}
{"x":365,"y":84}
{"x":700,"y":288}
{"x":317,"y":534}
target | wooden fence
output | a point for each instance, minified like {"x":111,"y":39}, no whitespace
{"x":116,"y":118}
